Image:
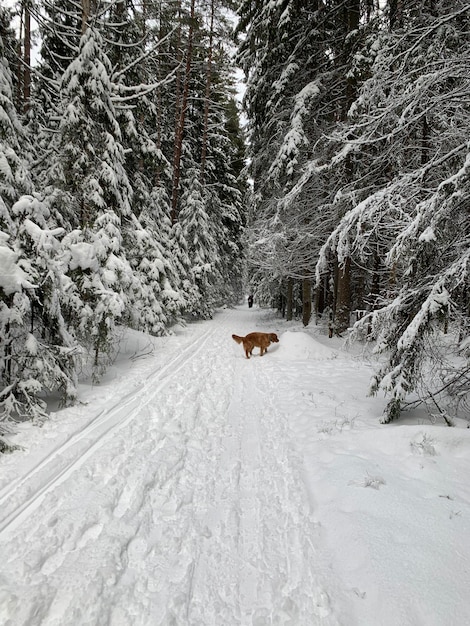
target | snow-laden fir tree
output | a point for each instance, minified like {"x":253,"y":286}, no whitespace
{"x":14,"y":310}
{"x":89,"y":169}
{"x":36,"y":351}
{"x":48,"y":356}
{"x":173,"y":294}
{"x":298,"y":61}
{"x":15,"y":178}
{"x":157,"y":303}
{"x":14,"y":303}
{"x":198,"y":231}
{"x":160,"y":301}
{"x":410,"y":125}
{"x":178,"y":248}
{"x":224,"y":183}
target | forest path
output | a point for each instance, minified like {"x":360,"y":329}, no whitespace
{"x":179,"y":503}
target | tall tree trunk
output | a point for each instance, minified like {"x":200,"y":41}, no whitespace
{"x":178,"y":81}
{"x":396,"y":14}
{"x":19,"y":67}
{"x":208,"y":93}
{"x":343,"y":297}
{"x":306,"y":301}
{"x":179,"y":134}
{"x":343,"y":286}
{"x":27,"y":58}
{"x":86,"y":8}
{"x":159,"y":71}
{"x":425,"y":141}
{"x":375,"y":286}
{"x":144,"y":17}
{"x":318,"y":301}
{"x":290,"y":299}
{"x":120,"y":12}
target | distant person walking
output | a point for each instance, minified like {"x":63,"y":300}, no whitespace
{"x":250,"y":301}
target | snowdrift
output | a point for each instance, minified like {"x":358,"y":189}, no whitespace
{"x":300,"y":346}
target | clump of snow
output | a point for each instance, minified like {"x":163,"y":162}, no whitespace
{"x":428,"y":235}
{"x":298,"y":345}
{"x":12,"y":277}
{"x":83,"y":256}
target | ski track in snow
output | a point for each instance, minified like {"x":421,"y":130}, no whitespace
{"x":58,"y":466}
{"x":180,"y":504}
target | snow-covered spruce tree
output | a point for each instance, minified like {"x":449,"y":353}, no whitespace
{"x":222,"y":186}
{"x":14,"y":303}
{"x":210,"y":203}
{"x":434,"y":253}
{"x":58,"y":35}
{"x":143,"y":231}
{"x":10,"y":46}
{"x":36,"y":353}
{"x":298,"y":61}
{"x":173,"y":296}
{"x":130,"y":46}
{"x":178,"y":247}
{"x":198,"y":231}
{"x":157,"y":304}
{"x":89,"y":168}
{"x":222,"y":152}
{"x":262,"y":57}
{"x":43,"y":352}
{"x":15,"y":176}
{"x":15,"y":393}
{"x":202,"y":141}
{"x":421,"y":122}
{"x":229,"y":171}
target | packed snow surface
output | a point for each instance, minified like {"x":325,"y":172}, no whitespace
{"x":194,"y":487}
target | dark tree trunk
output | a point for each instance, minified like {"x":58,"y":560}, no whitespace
{"x":306,"y":301}
{"x":396,"y":14}
{"x":27,"y":58}
{"x":208,"y":94}
{"x":86,"y":8}
{"x":342,"y":310}
{"x":290,"y":299}
{"x":343,"y":297}
{"x":181,"y":121}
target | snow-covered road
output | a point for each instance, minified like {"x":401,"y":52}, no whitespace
{"x":181,"y":502}
{"x":182,"y":493}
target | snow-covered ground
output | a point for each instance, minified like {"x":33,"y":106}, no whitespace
{"x":196,"y":487}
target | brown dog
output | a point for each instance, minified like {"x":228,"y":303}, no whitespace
{"x":259,"y":340}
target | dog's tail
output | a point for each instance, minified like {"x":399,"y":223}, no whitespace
{"x":237,"y":338}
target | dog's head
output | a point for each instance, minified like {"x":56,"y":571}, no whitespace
{"x":273,"y":337}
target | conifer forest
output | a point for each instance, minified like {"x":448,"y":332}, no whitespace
{"x":136,"y":190}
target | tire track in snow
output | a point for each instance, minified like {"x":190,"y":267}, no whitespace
{"x":98,"y":430}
